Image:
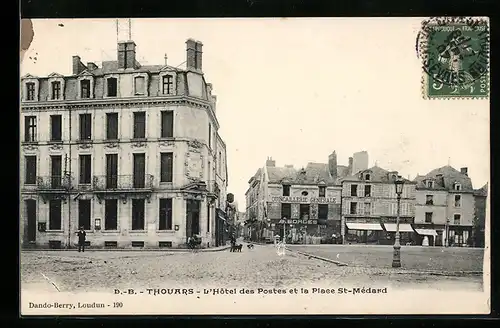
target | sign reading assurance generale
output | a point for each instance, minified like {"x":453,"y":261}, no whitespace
{"x":304,"y":200}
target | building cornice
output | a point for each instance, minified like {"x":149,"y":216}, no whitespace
{"x":106,"y":102}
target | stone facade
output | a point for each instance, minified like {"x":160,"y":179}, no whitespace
{"x":369,"y":197}
{"x":446,"y":203}
{"x":310,"y":195}
{"x":157,"y":110}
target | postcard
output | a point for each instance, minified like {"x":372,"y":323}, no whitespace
{"x":254,"y":166}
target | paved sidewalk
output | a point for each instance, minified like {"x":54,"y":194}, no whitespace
{"x":164,"y":250}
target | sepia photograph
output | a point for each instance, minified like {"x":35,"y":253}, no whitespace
{"x":254,"y":166}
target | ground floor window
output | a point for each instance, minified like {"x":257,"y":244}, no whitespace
{"x":84,"y":213}
{"x":322,"y":211}
{"x":30,"y":205}
{"x":111,"y":214}
{"x":138,"y":222}
{"x":165,"y":219}
{"x":286,"y":210}
{"x":55,"y":215}
{"x":304,"y":211}
{"x":459,"y":237}
{"x":364,"y":236}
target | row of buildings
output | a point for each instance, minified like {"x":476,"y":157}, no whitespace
{"x":129,"y":152}
{"x":358,"y":204}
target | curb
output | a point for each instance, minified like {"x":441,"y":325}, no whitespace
{"x":166,"y":250}
{"x":318,"y":257}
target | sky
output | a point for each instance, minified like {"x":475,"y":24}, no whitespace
{"x":298,"y":89}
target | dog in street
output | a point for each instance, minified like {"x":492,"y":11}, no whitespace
{"x":236,"y":248}
{"x":250,"y":246}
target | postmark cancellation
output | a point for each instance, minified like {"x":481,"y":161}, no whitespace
{"x":455,"y":57}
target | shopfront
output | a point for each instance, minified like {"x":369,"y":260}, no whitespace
{"x":376,"y":230}
{"x":429,"y":234}
{"x":304,"y":220}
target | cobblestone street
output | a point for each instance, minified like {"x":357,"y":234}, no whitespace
{"x":260,"y":267}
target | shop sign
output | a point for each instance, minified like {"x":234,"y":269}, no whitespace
{"x":312,"y":200}
{"x":296,"y":221}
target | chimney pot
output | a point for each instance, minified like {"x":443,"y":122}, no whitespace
{"x":270,"y":162}
{"x":463,"y":170}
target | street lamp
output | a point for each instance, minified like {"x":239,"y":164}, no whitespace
{"x":396,"y":256}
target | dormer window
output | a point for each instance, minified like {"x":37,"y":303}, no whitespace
{"x":141,"y":84}
{"x":112,"y":86}
{"x":86,"y":85}
{"x":30,"y":91}
{"x":56,"y":87}
{"x":167,"y":82}
{"x":30,"y":88}
{"x":367,"y":176}
{"x":430,"y":184}
{"x":56,"y":90}
{"x":457,"y":186}
{"x":85,"y":88}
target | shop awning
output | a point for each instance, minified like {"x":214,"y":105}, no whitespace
{"x":364,"y":226}
{"x":426,"y":232}
{"x":403,"y":227}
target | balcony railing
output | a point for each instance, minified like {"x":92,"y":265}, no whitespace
{"x":55,"y":182}
{"x":123,"y":182}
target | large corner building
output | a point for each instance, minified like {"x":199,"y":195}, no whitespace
{"x":131,"y":153}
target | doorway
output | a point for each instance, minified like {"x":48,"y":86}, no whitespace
{"x":192,"y":217}
{"x":30,"y":205}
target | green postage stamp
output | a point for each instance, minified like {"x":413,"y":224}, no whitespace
{"x":455,"y":54}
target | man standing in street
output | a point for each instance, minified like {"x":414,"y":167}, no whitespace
{"x":81,"y":239}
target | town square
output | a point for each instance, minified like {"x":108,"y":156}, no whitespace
{"x":202,"y":158}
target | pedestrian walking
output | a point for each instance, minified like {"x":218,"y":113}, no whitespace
{"x":81,"y":239}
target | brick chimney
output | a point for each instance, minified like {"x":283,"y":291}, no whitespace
{"x":463,"y":170}
{"x":199,"y":55}
{"x":78,"y":66}
{"x":270,"y":162}
{"x":194,"y":55}
{"x":332,"y":164}
{"x":126,"y":55}
{"x":349,"y":166}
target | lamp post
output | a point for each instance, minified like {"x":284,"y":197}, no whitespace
{"x":396,"y":256}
